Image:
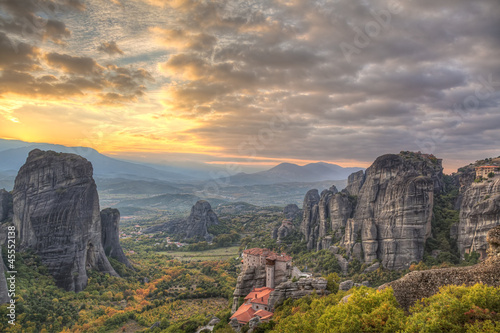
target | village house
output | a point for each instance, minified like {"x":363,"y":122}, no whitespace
{"x":255,"y":304}
{"x":484,"y":170}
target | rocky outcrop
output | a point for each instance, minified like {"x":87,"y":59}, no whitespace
{"x":5,"y":205}
{"x":252,"y":277}
{"x":195,"y":226}
{"x":479,"y":213}
{"x":417,"y":285}
{"x":110,"y":235}
{"x":291,"y":211}
{"x":56,"y":214}
{"x":284,"y":230}
{"x":202,"y":216}
{"x":296,"y":290}
{"x":382,"y":214}
{"x":4,"y":291}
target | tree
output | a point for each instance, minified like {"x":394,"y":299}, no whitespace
{"x":491,"y":175}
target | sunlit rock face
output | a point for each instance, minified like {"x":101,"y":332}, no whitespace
{"x":56,"y":214}
{"x":384,"y":213}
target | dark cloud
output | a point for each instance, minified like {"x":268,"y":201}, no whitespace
{"x":407,"y":69}
{"x":74,"y":65}
{"x":110,"y":48}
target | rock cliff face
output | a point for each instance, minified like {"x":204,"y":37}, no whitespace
{"x":479,"y":212}
{"x":384,"y":213}
{"x":202,"y":216}
{"x":291,"y":211}
{"x":110,"y":231}
{"x":5,"y":205}
{"x":56,"y":213}
{"x":4,"y":293}
{"x":252,"y":277}
{"x":296,"y":290}
{"x":417,"y":285}
{"x":195,"y":226}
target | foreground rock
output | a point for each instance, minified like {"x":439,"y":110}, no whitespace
{"x":417,"y":285}
{"x":384,"y":213}
{"x":296,"y":290}
{"x":110,"y":235}
{"x":56,"y":214}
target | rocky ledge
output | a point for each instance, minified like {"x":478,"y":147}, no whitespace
{"x":417,"y":285}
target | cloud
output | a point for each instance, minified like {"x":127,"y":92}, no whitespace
{"x":110,"y":48}
{"x":76,"y":65}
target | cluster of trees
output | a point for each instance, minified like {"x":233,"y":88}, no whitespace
{"x":363,"y":309}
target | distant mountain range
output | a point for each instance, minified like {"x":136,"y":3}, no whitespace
{"x":288,"y":172}
{"x":129,"y":177}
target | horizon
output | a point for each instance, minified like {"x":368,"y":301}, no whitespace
{"x":264,"y":166}
{"x":231,"y":83}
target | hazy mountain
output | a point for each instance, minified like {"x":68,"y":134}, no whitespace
{"x":289,"y":172}
{"x":12,"y":159}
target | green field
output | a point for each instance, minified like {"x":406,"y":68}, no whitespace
{"x":224,"y":253}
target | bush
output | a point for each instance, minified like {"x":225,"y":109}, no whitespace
{"x":491,"y":175}
{"x":455,"y":309}
{"x":367,"y":310}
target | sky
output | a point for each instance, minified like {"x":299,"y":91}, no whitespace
{"x":250,"y":84}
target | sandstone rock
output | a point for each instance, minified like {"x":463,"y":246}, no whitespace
{"x":354,"y":182}
{"x":195,"y":226}
{"x":252,"y":277}
{"x":202,"y":216}
{"x":4,"y":290}
{"x":284,"y":230}
{"x":296,"y":290}
{"x":309,"y":226}
{"x":334,"y":249}
{"x":5,"y":205}
{"x":253,"y":323}
{"x":235,"y":325}
{"x":493,"y":239}
{"x":372,"y":268}
{"x":346,"y":285}
{"x":383,"y":214}
{"x":419,"y":284}
{"x":214,"y":321}
{"x":110,"y":235}
{"x":479,"y":212}
{"x":343,"y":263}
{"x":56,"y":213}
{"x":291,"y":211}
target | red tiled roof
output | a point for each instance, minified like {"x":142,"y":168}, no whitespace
{"x":259,"y":295}
{"x":244,"y":313}
{"x":263,"y":314}
{"x":268,"y":254}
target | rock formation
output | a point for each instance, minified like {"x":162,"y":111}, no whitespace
{"x":291,"y":211}
{"x":195,"y":226}
{"x":252,"y":277}
{"x":296,"y":290}
{"x":479,"y":212}
{"x":5,"y":205}
{"x":4,"y":291}
{"x":110,"y":231}
{"x":417,"y":285}
{"x":56,"y":214}
{"x":383,"y":214}
{"x":202,"y":216}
